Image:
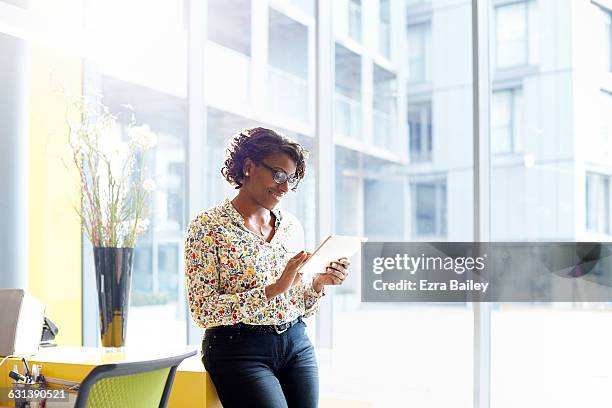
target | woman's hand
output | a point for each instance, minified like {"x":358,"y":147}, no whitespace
{"x":290,"y":276}
{"x":298,"y":276}
{"x":334,"y":274}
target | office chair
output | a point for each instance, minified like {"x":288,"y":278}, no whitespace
{"x":143,"y":384}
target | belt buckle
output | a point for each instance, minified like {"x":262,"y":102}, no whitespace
{"x":281,"y":331}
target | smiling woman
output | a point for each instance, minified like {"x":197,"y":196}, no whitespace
{"x":243,"y":283}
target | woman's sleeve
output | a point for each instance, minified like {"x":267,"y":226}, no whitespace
{"x":207,"y":305}
{"x":311,"y":298}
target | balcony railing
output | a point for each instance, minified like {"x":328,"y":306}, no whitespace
{"x":347,"y":120}
{"x":288,"y":94}
{"x":228,"y":79}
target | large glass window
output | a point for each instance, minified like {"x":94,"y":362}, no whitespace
{"x":146,"y":69}
{"x":555,"y":190}
{"x":402,"y":171}
{"x":383,"y":192}
{"x":157,"y":280}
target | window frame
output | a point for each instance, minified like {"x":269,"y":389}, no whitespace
{"x":385,"y":43}
{"x":598,"y":178}
{"x":424,"y":31}
{"x":497,"y":5}
{"x":439,"y":184}
{"x":355,"y":32}
{"x":426,"y":137}
{"x":515,"y":98}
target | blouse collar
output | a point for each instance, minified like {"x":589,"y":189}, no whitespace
{"x":237,"y":218}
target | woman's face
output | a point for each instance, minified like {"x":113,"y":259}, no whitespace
{"x":260,"y":183}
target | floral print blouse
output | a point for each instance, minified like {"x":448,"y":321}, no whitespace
{"x":227,"y":268}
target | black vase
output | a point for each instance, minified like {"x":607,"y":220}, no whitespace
{"x":113,"y":281}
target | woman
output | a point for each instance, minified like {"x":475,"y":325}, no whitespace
{"x":243,"y":283}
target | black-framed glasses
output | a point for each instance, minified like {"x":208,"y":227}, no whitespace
{"x":280,"y":176}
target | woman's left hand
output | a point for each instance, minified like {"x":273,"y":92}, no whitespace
{"x":335,"y":274}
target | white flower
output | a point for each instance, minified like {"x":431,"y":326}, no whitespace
{"x":142,"y":225}
{"x":104,"y":123}
{"x":149,"y":185}
{"x":125,"y":227}
{"x":121,"y":149}
{"x":142,"y":137}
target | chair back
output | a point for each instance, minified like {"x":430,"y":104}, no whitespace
{"x":138,"y":384}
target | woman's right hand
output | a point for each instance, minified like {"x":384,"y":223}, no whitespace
{"x":289,"y":277}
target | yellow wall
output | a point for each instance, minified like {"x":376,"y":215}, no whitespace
{"x":54,"y":229}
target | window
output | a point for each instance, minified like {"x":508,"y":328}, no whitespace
{"x":537,"y":202}
{"x":598,"y":203}
{"x":429,"y":204}
{"x":606,"y":116}
{"x":307,"y":6}
{"x":175,"y":192}
{"x":229,"y":42}
{"x":347,"y":95}
{"x":506,"y":116}
{"x":606,"y":37}
{"x":515,"y":35}
{"x":384,"y":114}
{"x":419,"y":46}
{"x":287,"y":67}
{"x":384,"y":32}
{"x":147,"y":69}
{"x":555,"y":115}
{"x":230,"y":13}
{"x":416,"y":3}
{"x":354,"y":21}
{"x":420,"y":130}
{"x":375,"y":197}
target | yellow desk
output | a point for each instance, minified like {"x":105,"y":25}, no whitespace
{"x":192,"y":387}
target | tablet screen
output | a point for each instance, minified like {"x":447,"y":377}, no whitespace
{"x":331,"y":249}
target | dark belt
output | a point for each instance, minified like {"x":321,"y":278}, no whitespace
{"x":269,"y":328}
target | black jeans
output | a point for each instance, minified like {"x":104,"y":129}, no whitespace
{"x":262,"y":369}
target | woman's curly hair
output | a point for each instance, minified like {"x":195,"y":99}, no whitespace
{"x":256,"y":144}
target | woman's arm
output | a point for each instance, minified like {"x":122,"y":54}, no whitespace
{"x":312,"y":297}
{"x":207,"y":306}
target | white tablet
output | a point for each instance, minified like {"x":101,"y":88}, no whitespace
{"x":332,"y":248}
